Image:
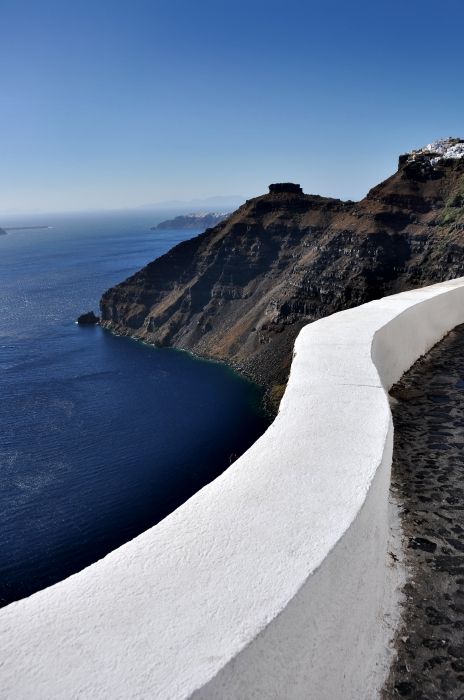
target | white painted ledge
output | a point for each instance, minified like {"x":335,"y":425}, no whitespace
{"x":271,"y":581}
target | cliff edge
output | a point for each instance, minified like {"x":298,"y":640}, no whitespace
{"x":241,"y":291}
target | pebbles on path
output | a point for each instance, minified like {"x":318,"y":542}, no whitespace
{"x":428,"y":480}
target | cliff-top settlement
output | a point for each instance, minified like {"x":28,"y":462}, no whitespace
{"x":241,"y":291}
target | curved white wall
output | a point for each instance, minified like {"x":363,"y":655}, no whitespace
{"x":271,"y":582}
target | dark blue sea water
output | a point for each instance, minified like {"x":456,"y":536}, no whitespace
{"x":100,"y":437}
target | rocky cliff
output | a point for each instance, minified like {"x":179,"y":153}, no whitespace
{"x":241,"y":291}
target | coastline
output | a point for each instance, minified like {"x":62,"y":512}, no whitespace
{"x":271,"y":398}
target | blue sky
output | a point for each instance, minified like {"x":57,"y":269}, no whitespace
{"x":122,"y":103}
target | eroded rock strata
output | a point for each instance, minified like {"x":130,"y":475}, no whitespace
{"x":241,"y":291}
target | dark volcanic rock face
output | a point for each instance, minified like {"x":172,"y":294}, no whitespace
{"x":88,"y":319}
{"x":285,"y":187}
{"x":241,"y":291}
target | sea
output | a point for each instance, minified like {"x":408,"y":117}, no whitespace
{"x":100,"y":436}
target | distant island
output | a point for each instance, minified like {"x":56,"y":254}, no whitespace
{"x":192,"y":221}
{"x":5,"y":231}
{"x":23,"y":228}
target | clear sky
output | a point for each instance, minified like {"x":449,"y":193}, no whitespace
{"x":125,"y":102}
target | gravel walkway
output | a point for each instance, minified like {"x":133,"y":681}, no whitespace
{"x":428,"y":480}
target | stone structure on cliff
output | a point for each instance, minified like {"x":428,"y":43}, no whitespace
{"x":285,"y":187}
{"x":241,"y":291}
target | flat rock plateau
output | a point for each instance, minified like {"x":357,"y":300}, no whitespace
{"x":241,"y":291}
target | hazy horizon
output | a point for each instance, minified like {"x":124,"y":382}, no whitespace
{"x":215,"y":201}
{"x":118,"y":105}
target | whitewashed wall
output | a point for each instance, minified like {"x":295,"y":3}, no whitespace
{"x":272,"y":581}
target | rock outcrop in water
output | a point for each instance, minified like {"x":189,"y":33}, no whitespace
{"x":2,"y":232}
{"x":88,"y":319}
{"x":241,"y":291}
